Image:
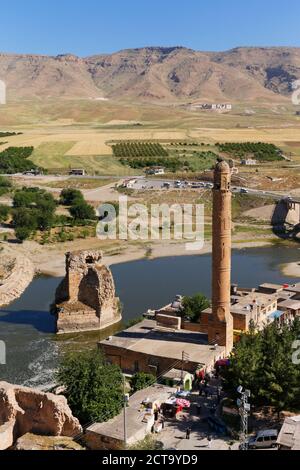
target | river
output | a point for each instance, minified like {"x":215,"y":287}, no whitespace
{"x":26,"y":327}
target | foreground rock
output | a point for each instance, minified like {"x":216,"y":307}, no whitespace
{"x":34,"y":442}
{"x":24,"y":410}
{"x":86,"y":299}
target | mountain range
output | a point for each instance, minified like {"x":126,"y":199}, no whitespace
{"x":156,"y":74}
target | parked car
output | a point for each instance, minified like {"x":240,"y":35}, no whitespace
{"x":244,"y":191}
{"x":263,"y":440}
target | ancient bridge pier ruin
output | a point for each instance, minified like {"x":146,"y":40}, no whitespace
{"x":86,"y":299}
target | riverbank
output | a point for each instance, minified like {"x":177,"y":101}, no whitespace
{"x":291,"y":269}
{"x":50,"y":259}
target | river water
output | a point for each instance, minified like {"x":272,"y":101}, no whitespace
{"x":33,"y":350}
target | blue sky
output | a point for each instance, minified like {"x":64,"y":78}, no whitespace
{"x":86,"y":27}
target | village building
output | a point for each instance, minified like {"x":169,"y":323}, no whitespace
{"x":157,"y":346}
{"x":77,"y":172}
{"x":139,"y":420}
{"x":248,"y":162}
{"x":129,"y":183}
{"x":156,"y":170}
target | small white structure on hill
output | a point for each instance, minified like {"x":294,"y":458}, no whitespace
{"x":2,"y":92}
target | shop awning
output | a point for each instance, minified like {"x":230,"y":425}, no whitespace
{"x":275,"y":315}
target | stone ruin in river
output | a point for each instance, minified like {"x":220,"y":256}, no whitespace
{"x":86,"y":300}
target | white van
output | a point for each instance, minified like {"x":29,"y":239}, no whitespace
{"x":263,"y":439}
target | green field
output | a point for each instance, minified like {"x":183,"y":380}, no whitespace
{"x":52,"y":156}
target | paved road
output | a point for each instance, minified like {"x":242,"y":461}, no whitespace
{"x":153,"y":185}
{"x":141,"y":183}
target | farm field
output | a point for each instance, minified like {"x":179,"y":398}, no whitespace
{"x":81,"y":134}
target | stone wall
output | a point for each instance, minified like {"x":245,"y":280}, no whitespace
{"x":86,"y":300}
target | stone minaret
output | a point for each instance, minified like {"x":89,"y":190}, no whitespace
{"x":220,"y":329}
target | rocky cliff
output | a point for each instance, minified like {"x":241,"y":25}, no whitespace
{"x":24,"y":410}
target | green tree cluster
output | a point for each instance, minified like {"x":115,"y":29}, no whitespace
{"x":9,"y":134}
{"x":94,"y":388}
{"x":173,"y":164}
{"x":263,"y":363}
{"x":34,"y":210}
{"x":5,"y":185}
{"x":193,"y":306}
{"x":16,"y":159}
{"x":139,"y":149}
{"x":260,"y":150}
{"x":79,"y":209}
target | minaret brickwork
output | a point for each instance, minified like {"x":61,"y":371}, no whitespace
{"x":220,"y":328}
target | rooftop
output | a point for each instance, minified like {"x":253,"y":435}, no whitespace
{"x":147,"y":338}
{"x":135,"y":414}
{"x":294,"y":288}
{"x":291,"y":304}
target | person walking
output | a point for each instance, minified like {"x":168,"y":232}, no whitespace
{"x":199,"y":408}
{"x":188,"y":433}
{"x":209,"y":442}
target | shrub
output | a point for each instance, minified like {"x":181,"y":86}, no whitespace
{"x":82,"y":211}
{"x":4,"y":212}
{"x":141,"y":380}
{"x":69,"y":197}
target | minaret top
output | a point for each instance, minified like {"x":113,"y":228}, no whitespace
{"x":222,"y":175}
{"x":222,"y":166}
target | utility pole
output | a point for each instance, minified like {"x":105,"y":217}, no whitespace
{"x":244,"y":408}
{"x":124,"y":411}
{"x":185,"y":358}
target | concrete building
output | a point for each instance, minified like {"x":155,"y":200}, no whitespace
{"x":77,"y":172}
{"x":139,"y":420}
{"x":153,"y":348}
{"x":156,"y":170}
{"x":248,"y":162}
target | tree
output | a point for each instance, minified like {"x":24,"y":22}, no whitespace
{"x":69,"y":197}
{"x":262,"y":362}
{"x":82,"y":211}
{"x":34,"y":209}
{"x":25,"y":222}
{"x":94,"y":388}
{"x":193,"y":306}
{"x":141,"y":380}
